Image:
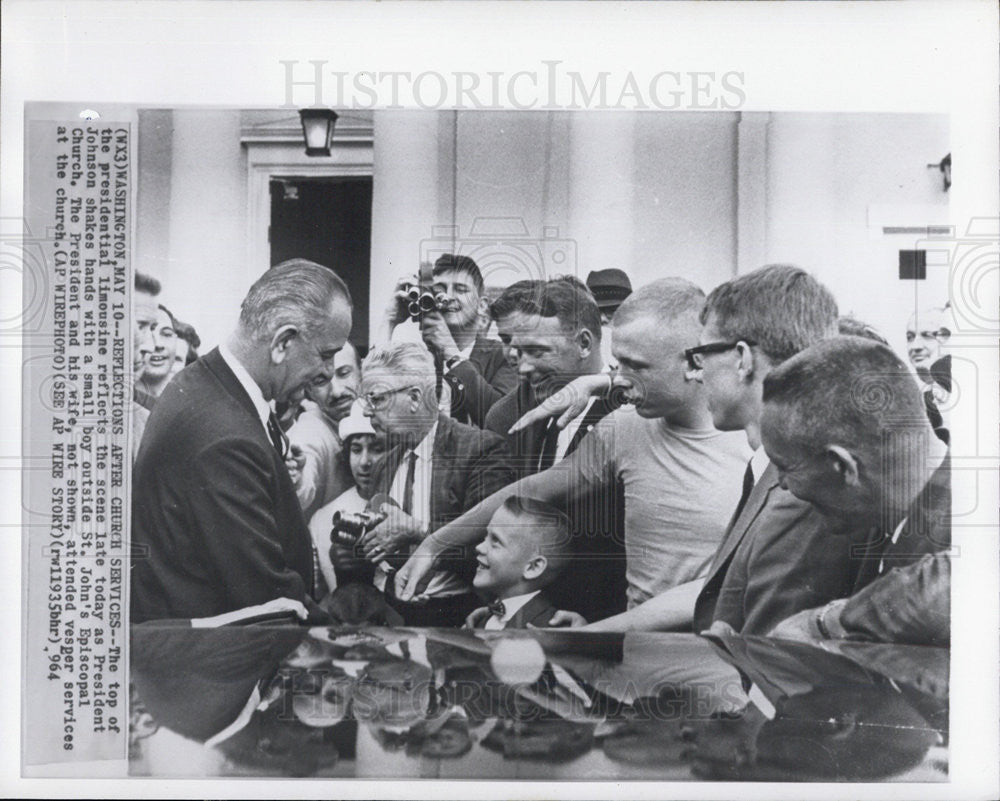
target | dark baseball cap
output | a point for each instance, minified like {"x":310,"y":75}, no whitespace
{"x":609,"y":287}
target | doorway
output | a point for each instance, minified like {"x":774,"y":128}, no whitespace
{"x":327,"y":220}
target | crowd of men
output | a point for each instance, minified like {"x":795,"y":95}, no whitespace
{"x":656,"y":459}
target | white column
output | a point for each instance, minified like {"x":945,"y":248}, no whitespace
{"x":406,"y":199}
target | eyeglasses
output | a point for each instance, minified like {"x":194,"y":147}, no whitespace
{"x":693,"y":355}
{"x":941,"y":335}
{"x":379,"y":400}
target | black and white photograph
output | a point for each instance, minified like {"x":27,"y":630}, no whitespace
{"x":537,"y":423}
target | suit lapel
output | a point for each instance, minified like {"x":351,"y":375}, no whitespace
{"x":217,"y":366}
{"x":537,"y":608}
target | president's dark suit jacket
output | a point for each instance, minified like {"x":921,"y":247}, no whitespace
{"x":479,"y":382}
{"x":216,"y":525}
{"x":778,"y":557}
{"x":469,"y":465}
{"x":594,"y":582}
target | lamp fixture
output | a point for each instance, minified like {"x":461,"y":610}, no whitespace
{"x":945,"y":167}
{"x":317,"y":129}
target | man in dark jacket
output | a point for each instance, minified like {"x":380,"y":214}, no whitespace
{"x":844,"y":424}
{"x":216,"y":525}
{"x":473,"y":366}
{"x":434,"y":470}
{"x":555,"y":328}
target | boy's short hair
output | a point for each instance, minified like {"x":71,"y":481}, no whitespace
{"x":550,"y":532}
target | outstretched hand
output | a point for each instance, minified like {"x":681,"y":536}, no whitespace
{"x":565,"y":404}
{"x":413,"y":577}
{"x":565,"y":619}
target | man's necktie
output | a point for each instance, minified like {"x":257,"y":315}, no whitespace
{"x":278,"y":438}
{"x":747,"y":489}
{"x":549,"y":443}
{"x":411,"y":465}
{"x":497,"y":609}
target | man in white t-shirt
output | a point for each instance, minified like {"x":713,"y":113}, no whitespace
{"x":681,"y":476}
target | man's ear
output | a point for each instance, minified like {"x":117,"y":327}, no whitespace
{"x":745,"y":361}
{"x":585,"y":341}
{"x":281,"y":341}
{"x":416,"y":396}
{"x":535,"y":567}
{"x":844,"y":464}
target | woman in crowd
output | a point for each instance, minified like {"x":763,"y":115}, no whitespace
{"x":362,"y":449}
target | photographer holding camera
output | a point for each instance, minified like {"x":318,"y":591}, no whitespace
{"x":452,"y":328}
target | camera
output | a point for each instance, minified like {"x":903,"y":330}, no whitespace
{"x":348,"y":527}
{"x":421,"y":301}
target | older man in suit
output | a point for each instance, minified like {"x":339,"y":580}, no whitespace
{"x":434,"y":470}
{"x":216,"y":525}
{"x":844,"y":426}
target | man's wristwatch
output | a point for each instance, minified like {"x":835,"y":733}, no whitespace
{"x":829,"y":625}
{"x":451,"y":362}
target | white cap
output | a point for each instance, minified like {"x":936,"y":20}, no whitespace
{"x":355,"y":423}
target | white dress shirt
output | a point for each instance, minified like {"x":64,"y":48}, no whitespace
{"x":567,"y":434}
{"x":259,"y":404}
{"x":442,"y":584}
{"x":758,"y":463}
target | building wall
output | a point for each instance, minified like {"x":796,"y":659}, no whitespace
{"x":831,"y":178}
{"x":698,"y":195}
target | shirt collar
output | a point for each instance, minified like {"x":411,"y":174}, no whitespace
{"x":511,"y":606}
{"x":256,"y":396}
{"x":758,"y":463}
{"x":425,"y":448}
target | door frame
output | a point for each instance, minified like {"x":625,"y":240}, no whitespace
{"x":279,"y":153}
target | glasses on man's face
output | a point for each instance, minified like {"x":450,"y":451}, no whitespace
{"x":941,"y":335}
{"x":694,"y":355}
{"x":380,"y":400}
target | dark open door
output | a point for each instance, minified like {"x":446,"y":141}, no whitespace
{"x":329,"y":221}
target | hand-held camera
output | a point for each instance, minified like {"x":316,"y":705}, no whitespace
{"x":421,"y":301}
{"x":348,"y":527}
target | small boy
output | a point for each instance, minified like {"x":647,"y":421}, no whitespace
{"x":527,"y":545}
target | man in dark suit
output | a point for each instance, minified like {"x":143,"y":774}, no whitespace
{"x":435,"y":469}
{"x":858,"y":446}
{"x":216,"y":525}
{"x":777,"y":556}
{"x":474,"y":367}
{"x":555,"y":328}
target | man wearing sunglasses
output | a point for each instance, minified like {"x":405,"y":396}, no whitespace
{"x":434,"y":470}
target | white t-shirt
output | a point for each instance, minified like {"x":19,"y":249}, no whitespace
{"x":681,"y":488}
